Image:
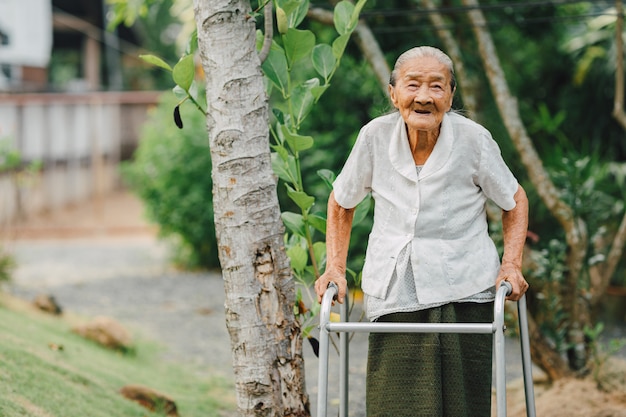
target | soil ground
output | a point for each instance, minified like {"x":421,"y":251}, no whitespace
{"x":103,"y":258}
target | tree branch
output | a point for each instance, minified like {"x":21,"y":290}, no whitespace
{"x":466,"y":82}
{"x":618,"y":103}
{"x":365,"y":41}
{"x":575,"y":228}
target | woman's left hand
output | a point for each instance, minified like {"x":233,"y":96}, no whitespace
{"x":514,"y":276}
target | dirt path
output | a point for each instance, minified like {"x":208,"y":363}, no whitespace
{"x":106,"y":260}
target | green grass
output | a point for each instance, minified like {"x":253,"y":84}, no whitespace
{"x":82,"y":379}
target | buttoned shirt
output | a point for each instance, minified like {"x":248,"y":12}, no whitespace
{"x":441,"y":213}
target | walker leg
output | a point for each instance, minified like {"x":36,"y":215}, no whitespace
{"x":500,"y":361}
{"x":344,"y":355}
{"x":322,"y":376}
{"x":526,"y":359}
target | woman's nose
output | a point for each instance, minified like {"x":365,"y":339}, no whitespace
{"x":422,"y":95}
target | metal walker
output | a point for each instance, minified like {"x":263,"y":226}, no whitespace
{"x":497,"y":328}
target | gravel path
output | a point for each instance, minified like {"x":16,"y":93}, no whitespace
{"x":130,"y":280}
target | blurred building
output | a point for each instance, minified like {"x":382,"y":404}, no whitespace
{"x":58,"y":45}
{"x":63,"y":103}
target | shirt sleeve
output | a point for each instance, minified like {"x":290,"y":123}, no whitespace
{"x":494,"y":176}
{"x":355,"y":179}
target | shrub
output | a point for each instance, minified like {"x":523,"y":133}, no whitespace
{"x":171,"y":173}
{"x":7,"y":265}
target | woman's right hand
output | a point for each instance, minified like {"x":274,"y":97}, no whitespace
{"x":338,"y":277}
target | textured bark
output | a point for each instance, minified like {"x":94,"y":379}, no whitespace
{"x":575,"y":228}
{"x":260,"y":292}
{"x":618,"y":103}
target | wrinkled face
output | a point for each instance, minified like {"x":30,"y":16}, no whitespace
{"x":422,"y":93}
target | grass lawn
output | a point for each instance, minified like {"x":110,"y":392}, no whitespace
{"x":48,"y":371}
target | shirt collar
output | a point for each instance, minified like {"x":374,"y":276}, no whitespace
{"x":400,"y":153}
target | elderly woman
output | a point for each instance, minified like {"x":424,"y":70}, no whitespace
{"x":429,"y":256}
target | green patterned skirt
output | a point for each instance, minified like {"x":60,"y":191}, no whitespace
{"x":431,"y":375}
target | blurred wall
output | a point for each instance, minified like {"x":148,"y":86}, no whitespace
{"x":79,"y":140}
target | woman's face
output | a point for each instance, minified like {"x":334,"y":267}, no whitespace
{"x":422,"y":93}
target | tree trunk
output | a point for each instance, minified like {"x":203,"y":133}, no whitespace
{"x":260,"y":292}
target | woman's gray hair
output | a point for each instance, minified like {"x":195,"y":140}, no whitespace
{"x":421,"y":52}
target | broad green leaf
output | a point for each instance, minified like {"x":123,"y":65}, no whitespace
{"x":298,"y":257}
{"x":323,"y":60}
{"x":319,"y":251}
{"x":339,"y":45}
{"x":342,"y":17}
{"x":259,"y":39}
{"x":285,"y":169}
{"x":302,"y":199}
{"x":279,"y":167}
{"x":302,"y":99}
{"x":318,"y":222}
{"x":293,"y":222}
{"x":184,"y":72}
{"x":155,"y":60}
{"x":279,"y":115}
{"x":192,"y":44}
{"x":317,"y":92}
{"x":275,"y":68}
{"x":281,"y":21}
{"x":327,"y":176}
{"x":179,"y":92}
{"x":295,"y":10}
{"x":281,"y":151}
{"x":296,"y":142}
{"x":298,"y":44}
{"x":362,"y":210}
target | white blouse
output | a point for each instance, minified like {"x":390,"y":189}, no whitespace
{"x":441,"y":214}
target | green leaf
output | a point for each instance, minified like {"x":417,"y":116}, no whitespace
{"x":293,"y":222}
{"x":362,"y":210}
{"x":342,"y":17}
{"x":184,"y":72}
{"x":179,"y":92}
{"x":281,"y":151}
{"x":155,"y":60}
{"x":302,"y":99}
{"x":285,"y":169}
{"x":275,"y":68}
{"x":192,"y":44}
{"x":298,"y":44}
{"x":339,"y":45}
{"x":319,"y":251}
{"x":318,"y":222}
{"x":296,"y":142}
{"x":318,"y":91}
{"x":327,"y":176}
{"x":298,"y":257}
{"x":302,"y":199}
{"x":323,"y":60}
{"x":281,"y":20}
{"x":295,"y":10}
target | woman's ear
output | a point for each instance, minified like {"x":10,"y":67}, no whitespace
{"x":392,"y":94}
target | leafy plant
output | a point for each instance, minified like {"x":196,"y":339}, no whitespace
{"x":7,"y":265}
{"x":299,"y":70}
{"x":171,"y":174}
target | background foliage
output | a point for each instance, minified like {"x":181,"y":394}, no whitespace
{"x":171,"y":172}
